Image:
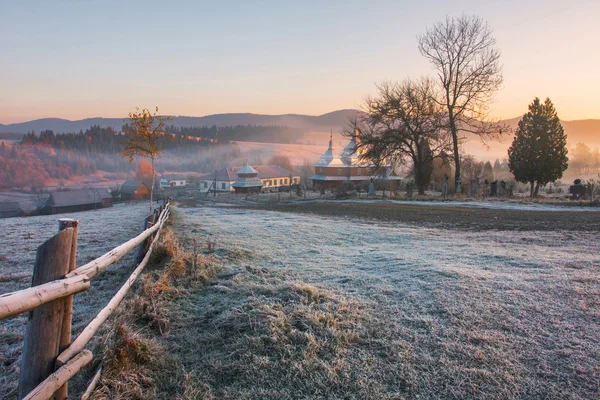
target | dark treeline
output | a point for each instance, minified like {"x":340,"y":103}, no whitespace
{"x":250,"y":133}
{"x":97,"y":140}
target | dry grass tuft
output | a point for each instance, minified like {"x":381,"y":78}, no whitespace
{"x":136,"y":363}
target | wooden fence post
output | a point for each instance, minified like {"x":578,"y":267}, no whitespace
{"x":44,"y":326}
{"x":65,"y":335}
{"x":148,"y":223}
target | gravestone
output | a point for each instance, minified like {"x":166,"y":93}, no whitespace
{"x":577,"y":190}
{"x":474,"y":187}
{"x":502,"y":188}
{"x":409,"y":189}
{"x":445,"y":186}
{"x":494,"y":188}
{"x":371,"y":188}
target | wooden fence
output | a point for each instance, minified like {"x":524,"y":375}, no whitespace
{"x":49,"y":358}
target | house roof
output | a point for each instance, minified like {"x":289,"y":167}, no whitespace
{"x":103,"y":193}
{"x":9,"y":206}
{"x":129,"y":187}
{"x":273,"y":171}
{"x":223,"y":174}
{"x":74,"y":197}
{"x":174,"y":177}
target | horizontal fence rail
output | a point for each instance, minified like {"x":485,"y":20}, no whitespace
{"x":16,"y":303}
{"x":36,"y":382}
{"x":21,"y":301}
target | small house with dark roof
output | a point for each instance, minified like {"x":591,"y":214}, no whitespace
{"x":247,"y":180}
{"x":105,"y":195}
{"x":134,"y":190}
{"x":10,"y":209}
{"x":77,"y":200}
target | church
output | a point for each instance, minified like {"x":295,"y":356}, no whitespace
{"x":333,"y":169}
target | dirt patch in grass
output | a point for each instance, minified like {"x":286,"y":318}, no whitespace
{"x":451,"y":217}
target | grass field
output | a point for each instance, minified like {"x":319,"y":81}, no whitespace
{"x":99,"y":231}
{"x":315,"y":306}
{"x":355,"y":304}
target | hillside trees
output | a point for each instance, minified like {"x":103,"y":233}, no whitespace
{"x":403,"y":121}
{"x":464,"y":55}
{"x":145,"y":137}
{"x":538,"y":153}
{"x":282,"y":161}
{"x":584,"y":160}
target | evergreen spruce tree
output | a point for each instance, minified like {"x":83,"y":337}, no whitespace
{"x":538,"y":154}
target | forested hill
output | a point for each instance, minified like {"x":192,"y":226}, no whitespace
{"x":335,"y":120}
{"x":105,"y":140}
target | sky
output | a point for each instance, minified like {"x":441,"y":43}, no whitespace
{"x":80,"y":59}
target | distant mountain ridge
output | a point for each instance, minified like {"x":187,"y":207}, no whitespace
{"x":334,"y":120}
{"x":587,"y":130}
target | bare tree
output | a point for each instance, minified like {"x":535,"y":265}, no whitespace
{"x":404,"y":121}
{"x":462,"y":50}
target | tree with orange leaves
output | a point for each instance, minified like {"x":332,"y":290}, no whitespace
{"x":144,"y":137}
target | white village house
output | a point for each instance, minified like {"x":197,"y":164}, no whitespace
{"x":170,"y":180}
{"x":272,"y":177}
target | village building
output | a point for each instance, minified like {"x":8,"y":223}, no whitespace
{"x":272,"y":177}
{"x":219,"y":181}
{"x":247,"y":180}
{"x":170,"y":181}
{"x":77,"y":200}
{"x":10,"y":209}
{"x":333,"y":170}
{"x":105,"y":196}
{"x":134,"y":190}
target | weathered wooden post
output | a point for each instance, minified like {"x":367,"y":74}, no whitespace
{"x":65,"y":335}
{"x":148,"y":223}
{"x":44,"y":326}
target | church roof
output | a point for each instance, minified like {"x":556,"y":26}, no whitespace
{"x":247,"y":178}
{"x":247,"y":183}
{"x":329,"y":159}
{"x":247,"y":170}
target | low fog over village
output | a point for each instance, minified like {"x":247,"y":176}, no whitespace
{"x":350,"y":200}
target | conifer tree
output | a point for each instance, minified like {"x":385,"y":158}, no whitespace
{"x":538,"y":154}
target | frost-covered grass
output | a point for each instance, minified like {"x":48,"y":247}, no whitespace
{"x":321,"y":307}
{"x":99,"y":232}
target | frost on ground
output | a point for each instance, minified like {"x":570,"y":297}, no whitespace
{"x":322,"y":307}
{"x":99,"y":232}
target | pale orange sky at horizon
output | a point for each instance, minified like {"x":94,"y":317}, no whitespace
{"x":276,"y":59}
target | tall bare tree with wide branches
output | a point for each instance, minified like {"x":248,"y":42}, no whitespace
{"x":145,"y":137}
{"x":404,"y":121}
{"x":464,"y":54}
